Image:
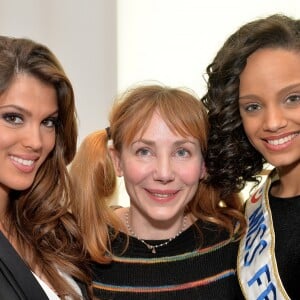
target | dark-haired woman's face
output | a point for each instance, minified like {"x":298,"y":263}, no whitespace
{"x":270,"y":104}
{"x":28,"y":114}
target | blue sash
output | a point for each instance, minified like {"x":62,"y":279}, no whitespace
{"x":257,"y":268}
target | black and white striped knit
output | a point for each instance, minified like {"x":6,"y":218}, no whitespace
{"x":180,"y":270}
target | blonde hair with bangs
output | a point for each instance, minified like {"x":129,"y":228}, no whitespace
{"x":129,"y":117}
{"x":181,"y":110}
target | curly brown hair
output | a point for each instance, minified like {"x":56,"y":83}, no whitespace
{"x":231,"y":159}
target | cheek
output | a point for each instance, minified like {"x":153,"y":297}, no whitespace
{"x":192,"y":174}
{"x":49,"y":143}
{"x":135,"y":173}
{"x":8,"y":138}
{"x":250,"y":125}
{"x":250,"y":131}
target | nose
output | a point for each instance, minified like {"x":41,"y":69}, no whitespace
{"x":163,"y":171}
{"x":274,"y":119}
{"x":32,"y":137}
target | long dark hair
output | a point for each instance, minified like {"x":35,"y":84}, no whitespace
{"x":39,"y":221}
{"x":231,"y":159}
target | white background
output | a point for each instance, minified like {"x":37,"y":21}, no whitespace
{"x":107,"y":45}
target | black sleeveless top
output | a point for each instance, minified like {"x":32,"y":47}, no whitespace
{"x":286,"y":220}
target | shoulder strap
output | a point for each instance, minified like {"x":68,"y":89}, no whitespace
{"x":17,"y":273}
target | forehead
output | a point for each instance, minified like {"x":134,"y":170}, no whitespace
{"x":158,"y":129}
{"x":271,"y":57}
{"x":270,"y":69}
{"x":30,"y":93}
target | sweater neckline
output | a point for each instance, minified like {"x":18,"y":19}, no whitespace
{"x":189,"y":240}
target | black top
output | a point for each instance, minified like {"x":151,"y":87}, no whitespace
{"x":286,"y":220}
{"x":188,"y":268}
{"x":16,"y":280}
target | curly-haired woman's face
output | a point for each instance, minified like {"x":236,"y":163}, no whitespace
{"x":28,"y":115}
{"x":270,"y":104}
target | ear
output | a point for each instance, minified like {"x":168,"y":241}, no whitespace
{"x":115,"y":156}
{"x":202,"y":170}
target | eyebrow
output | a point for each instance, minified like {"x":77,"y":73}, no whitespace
{"x":17,"y":108}
{"x":152,"y":143}
{"x":289,"y":87}
{"x":23,"y":110}
{"x":282,"y":91}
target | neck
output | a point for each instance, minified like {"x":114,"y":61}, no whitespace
{"x":154,"y":247}
{"x":147,"y":230}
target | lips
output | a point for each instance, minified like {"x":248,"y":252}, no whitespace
{"x":159,"y":195}
{"x":283,"y":140}
{"x":24,"y":165}
{"x":162,"y":196}
{"x":25,"y":162}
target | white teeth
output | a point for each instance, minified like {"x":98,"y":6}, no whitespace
{"x":162,"y":195}
{"x":282,"y":140}
{"x":25,"y":162}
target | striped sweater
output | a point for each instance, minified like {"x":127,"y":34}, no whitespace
{"x":188,"y":268}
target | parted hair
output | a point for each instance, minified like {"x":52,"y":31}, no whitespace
{"x":39,"y":221}
{"x":93,"y":173}
{"x":231,"y":159}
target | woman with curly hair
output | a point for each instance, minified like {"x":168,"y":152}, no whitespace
{"x":41,"y":249}
{"x":253,"y":100}
{"x":178,"y":238}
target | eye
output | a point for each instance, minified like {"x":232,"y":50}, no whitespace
{"x":50,"y":122}
{"x":13,"y":118}
{"x":182,"y":152}
{"x":143,"y":152}
{"x":251,"y":107}
{"x":293,"y":99}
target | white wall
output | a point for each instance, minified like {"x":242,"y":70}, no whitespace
{"x":107,"y":45}
{"x":172,"y":41}
{"x":82,"y":34}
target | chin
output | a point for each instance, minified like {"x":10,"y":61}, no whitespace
{"x":21,"y":186}
{"x":282,"y":164}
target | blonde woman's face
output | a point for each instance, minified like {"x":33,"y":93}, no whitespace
{"x":28,"y":115}
{"x":161,"y":171}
